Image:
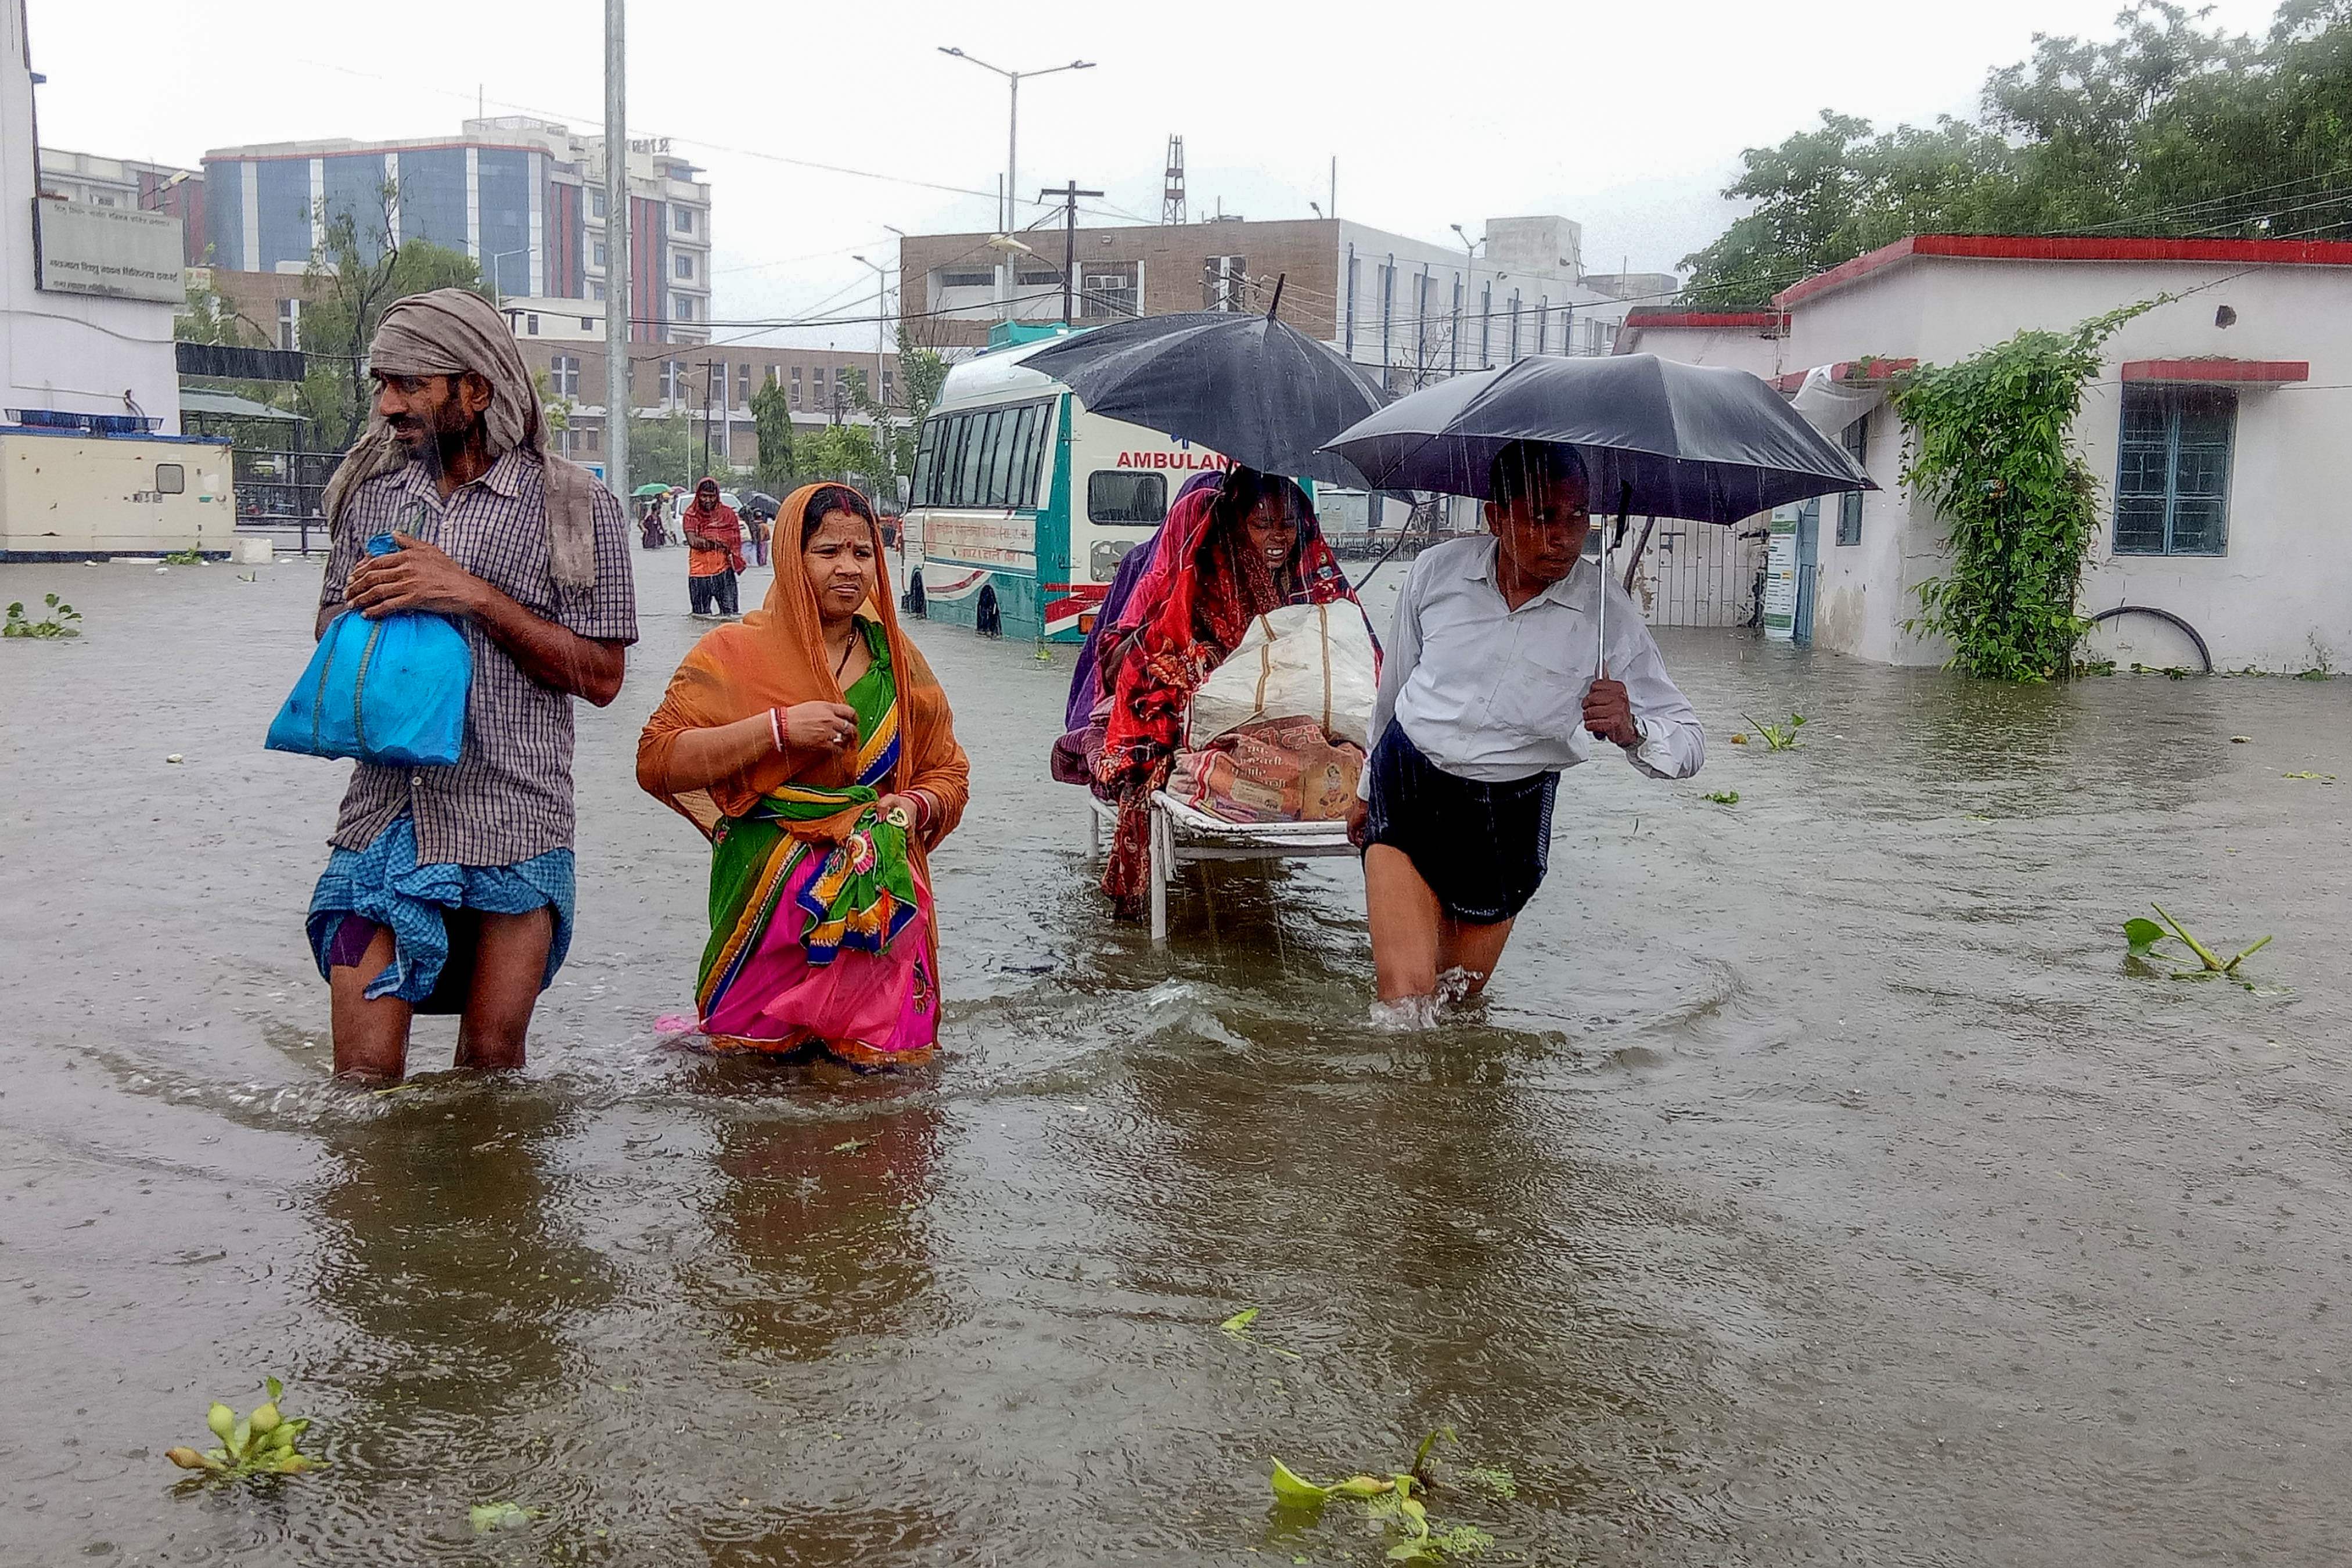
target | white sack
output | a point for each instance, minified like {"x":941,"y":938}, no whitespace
{"x":1302,"y":661}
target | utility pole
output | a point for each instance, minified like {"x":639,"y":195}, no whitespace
{"x":711,"y":369}
{"x":1070,"y":193}
{"x":616,"y":249}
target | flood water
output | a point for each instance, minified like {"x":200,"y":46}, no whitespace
{"x":1818,"y":1184}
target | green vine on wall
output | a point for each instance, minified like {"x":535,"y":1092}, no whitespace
{"x":1990,"y":450}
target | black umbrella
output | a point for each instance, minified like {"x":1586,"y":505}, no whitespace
{"x":761,"y":504}
{"x":1264,"y":394}
{"x":1663,"y":439}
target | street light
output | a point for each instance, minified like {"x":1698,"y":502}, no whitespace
{"x":496,"y":287}
{"x":159,"y":190}
{"x":1011,"y":143}
{"x":881,"y":405}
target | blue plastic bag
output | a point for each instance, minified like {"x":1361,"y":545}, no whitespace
{"x":390,"y":690}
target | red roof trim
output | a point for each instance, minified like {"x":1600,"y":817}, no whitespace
{"x":1876,"y":370}
{"x":2270,"y":371}
{"x":1647,"y":317}
{"x":2074,"y":248}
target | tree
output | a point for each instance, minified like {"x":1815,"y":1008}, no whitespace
{"x":356,"y":272}
{"x":771,"y":423}
{"x":209,"y":317}
{"x":846,"y":453}
{"x":663,"y":450}
{"x":2169,"y":128}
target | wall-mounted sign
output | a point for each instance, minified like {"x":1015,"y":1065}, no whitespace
{"x":119,"y":253}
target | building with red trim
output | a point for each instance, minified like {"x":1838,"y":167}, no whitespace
{"x":2217,"y":428}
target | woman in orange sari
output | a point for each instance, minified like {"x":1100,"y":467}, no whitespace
{"x":812,"y":746}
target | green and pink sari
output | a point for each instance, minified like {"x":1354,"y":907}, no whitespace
{"x":815,"y":943}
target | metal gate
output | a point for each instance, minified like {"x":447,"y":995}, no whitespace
{"x":1702,"y":573}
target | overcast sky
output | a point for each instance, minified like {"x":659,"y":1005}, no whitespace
{"x":1627,"y":118}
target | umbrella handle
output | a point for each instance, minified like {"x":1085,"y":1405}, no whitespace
{"x":1601,"y":602}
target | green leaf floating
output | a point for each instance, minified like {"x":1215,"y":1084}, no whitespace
{"x":490,"y":1516}
{"x":1296,"y":1490}
{"x":2142,"y":934}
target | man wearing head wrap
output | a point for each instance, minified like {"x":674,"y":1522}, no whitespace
{"x":450,"y":889}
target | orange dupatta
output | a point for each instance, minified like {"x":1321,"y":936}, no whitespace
{"x":774,"y":656}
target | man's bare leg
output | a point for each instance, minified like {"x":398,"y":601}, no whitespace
{"x":371,"y":1036}
{"x":1473,"y":948}
{"x":1406,"y":921}
{"x":509,"y":961}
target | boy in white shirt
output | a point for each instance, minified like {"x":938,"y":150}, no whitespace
{"x":1488,"y":692}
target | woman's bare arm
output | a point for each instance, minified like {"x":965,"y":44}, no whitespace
{"x":812,"y":732}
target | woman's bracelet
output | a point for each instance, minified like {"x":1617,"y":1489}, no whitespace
{"x":776,"y":728}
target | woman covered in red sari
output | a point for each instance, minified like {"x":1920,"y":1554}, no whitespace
{"x":1251,"y":545}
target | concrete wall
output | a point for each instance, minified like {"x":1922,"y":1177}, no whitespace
{"x":85,"y":495}
{"x":69,"y":352}
{"x":2283,"y":589}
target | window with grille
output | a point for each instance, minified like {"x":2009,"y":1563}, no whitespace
{"x":966,"y":280}
{"x":682,"y":264}
{"x":743,"y":385}
{"x":2173,"y":475}
{"x":596,"y":209}
{"x":796,"y":386}
{"x":290,"y":324}
{"x":683,"y":220}
{"x":673,"y":379}
{"x":1223,"y":282}
{"x":1855,"y":439}
{"x":563,"y":375}
{"x":1109,"y":288}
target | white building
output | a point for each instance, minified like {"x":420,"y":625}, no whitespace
{"x":2218,"y":428}
{"x":70,"y":339}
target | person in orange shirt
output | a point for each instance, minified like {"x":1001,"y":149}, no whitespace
{"x":714,"y":539}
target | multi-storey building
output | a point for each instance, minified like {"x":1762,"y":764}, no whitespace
{"x":524,"y":197}
{"x":1407,"y":311}
{"x":131,"y":184}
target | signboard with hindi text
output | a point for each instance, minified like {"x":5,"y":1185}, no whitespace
{"x":117,"y":253}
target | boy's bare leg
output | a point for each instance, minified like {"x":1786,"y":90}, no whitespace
{"x":1473,"y":948}
{"x":371,"y":1036}
{"x":509,"y":961}
{"x":1407,"y":924}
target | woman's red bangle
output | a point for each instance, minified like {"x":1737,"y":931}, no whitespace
{"x":776,"y":728}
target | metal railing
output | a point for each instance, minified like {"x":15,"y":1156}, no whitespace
{"x":279,"y":491}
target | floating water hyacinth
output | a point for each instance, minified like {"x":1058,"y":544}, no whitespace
{"x":260,"y":1443}
{"x":2142,"y":935}
{"x":1395,"y":1501}
{"x":1777,"y":737}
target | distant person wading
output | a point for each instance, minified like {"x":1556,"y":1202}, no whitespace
{"x":714,"y":538}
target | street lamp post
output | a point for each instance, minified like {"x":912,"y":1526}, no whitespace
{"x":497,"y":286}
{"x":160,"y":191}
{"x":1469,"y":266}
{"x":882,"y":415}
{"x":1011,"y":151}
